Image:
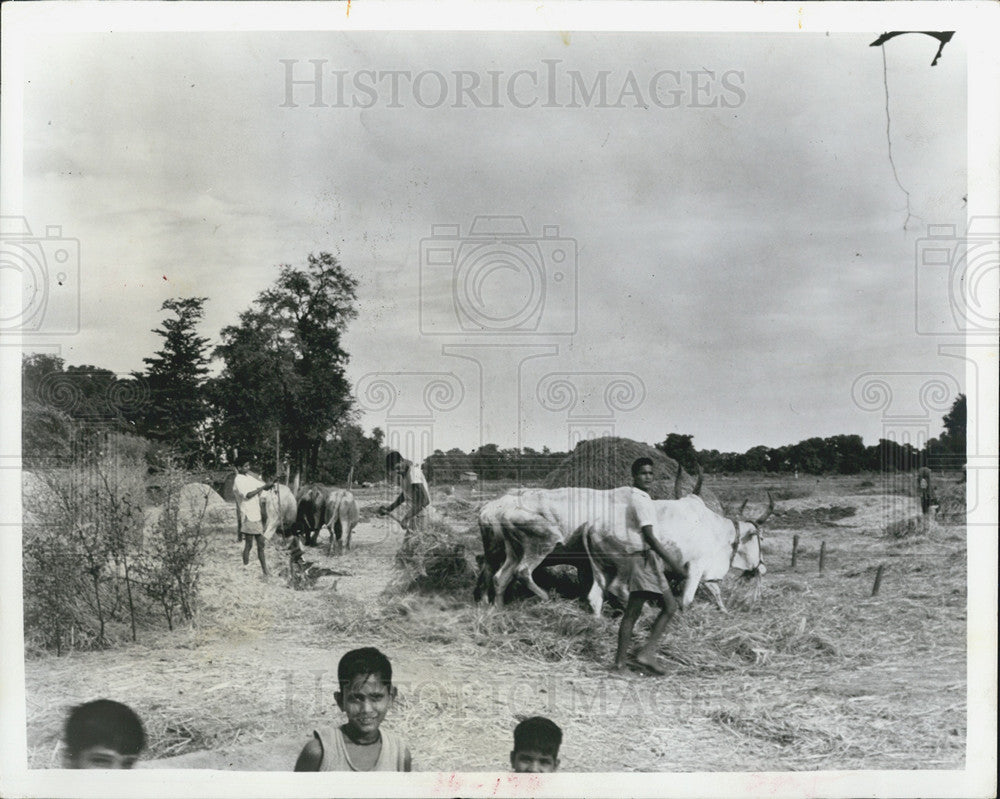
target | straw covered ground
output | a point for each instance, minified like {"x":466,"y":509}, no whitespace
{"x":815,"y":674}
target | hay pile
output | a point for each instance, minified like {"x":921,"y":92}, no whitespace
{"x":951,"y":502}
{"x":607,"y":463}
{"x":458,"y":507}
{"x":436,"y":556}
{"x":197,"y":503}
{"x":196,"y":496}
{"x":912,"y":525}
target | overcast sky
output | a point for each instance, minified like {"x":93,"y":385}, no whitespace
{"x":731,"y":231}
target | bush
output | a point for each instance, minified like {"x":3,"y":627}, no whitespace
{"x":175,"y":548}
{"x":88,"y":561}
{"x":81,"y":539}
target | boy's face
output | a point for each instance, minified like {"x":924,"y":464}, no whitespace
{"x":399,"y":470}
{"x":366,"y":701}
{"x":531,"y":761}
{"x":101,"y":757}
{"x":644,"y":477}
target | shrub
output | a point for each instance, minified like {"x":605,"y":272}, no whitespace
{"x":175,"y":549}
{"x":82,"y":535}
{"x":90,"y":559}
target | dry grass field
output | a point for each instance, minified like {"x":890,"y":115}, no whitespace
{"x":815,"y":674}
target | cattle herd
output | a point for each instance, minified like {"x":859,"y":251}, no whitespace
{"x":528,"y":529}
{"x":308,"y":512}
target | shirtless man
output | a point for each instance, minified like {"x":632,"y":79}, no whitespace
{"x":413,"y":486}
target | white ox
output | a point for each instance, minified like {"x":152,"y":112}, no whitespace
{"x":510,"y":511}
{"x":540,"y":525}
{"x":278,"y":510}
{"x":709,"y":544}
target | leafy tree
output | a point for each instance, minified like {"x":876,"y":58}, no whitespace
{"x":176,"y":376}
{"x":284,"y":364}
{"x":807,"y":455}
{"x":84,"y":393}
{"x":847,"y":453}
{"x":681,"y":449}
{"x":351,"y":457}
{"x":955,"y":423}
{"x":67,"y":411}
{"x":46,"y":434}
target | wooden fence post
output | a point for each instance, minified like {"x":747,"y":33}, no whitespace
{"x":822,"y":556}
{"x":878,"y":579}
{"x":795,"y":548}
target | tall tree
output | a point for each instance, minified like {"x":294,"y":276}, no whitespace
{"x":953,"y":439}
{"x":681,"y":448}
{"x":176,"y":376}
{"x":285,"y":367}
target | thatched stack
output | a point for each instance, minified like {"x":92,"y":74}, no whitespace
{"x":436,"y":555}
{"x":197,"y":496}
{"x":607,"y":463}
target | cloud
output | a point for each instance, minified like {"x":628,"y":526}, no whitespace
{"x":728,"y":255}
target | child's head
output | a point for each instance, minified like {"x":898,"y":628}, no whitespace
{"x":366,"y":692}
{"x":536,"y":746}
{"x":642,"y":472}
{"x":103,"y":734}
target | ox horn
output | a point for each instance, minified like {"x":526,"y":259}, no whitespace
{"x":743,"y":507}
{"x":677,"y":482}
{"x":768,"y":512}
{"x":701,"y":477}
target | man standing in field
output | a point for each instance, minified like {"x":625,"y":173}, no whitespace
{"x":414,"y":490}
{"x":246,"y":486}
{"x":924,"y":487}
{"x":643,"y":573}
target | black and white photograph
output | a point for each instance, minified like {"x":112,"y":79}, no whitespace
{"x":581,"y":399}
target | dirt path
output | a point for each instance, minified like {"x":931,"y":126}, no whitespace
{"x":244,"y":689}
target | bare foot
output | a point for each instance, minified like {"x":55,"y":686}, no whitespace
{"x":648,"y":664}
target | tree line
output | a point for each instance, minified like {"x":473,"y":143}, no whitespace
{"x":840,"y":454}
{"x":280,"y":397}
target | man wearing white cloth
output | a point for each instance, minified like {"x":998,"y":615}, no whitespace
{"x":644,"y":574}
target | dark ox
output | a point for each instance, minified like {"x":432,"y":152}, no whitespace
{"x":334,"y":509}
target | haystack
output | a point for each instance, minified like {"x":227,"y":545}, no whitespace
{"x":951,"y":503}
{"x":436,"y":556}
{"x":607,"y":463}
{"x":195,"y":496}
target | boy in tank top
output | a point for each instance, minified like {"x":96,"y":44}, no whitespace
{"x":365,"y":696}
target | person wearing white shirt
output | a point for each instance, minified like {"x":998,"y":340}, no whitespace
{"x":413,"y":487}
{"x":645,"y":575}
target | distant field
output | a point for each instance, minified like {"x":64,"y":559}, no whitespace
{"x":817,"y":674}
